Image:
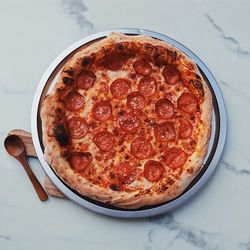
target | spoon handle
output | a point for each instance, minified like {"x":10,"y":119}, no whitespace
{"x":38,"y":187}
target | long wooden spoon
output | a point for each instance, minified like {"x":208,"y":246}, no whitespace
{"x":15,"y":147}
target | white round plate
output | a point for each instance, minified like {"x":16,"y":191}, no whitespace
{"x":216,"y":144}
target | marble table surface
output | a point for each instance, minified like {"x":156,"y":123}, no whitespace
{"x":33,"y":33}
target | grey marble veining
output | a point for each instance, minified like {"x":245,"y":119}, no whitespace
{"x":233,"y":43}
{"x":242,"y":93}
{"x":12,"y":91}
{"x":245,"y":245}
{"x":243,"y":155}
{"x":177,"y":234}
{"x":195,"y":237}
{"x":5,"y":237}
{"x":76,"y":9}
{"x":235,"y":170}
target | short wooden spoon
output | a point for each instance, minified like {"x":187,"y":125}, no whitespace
{"x":15,"y":147}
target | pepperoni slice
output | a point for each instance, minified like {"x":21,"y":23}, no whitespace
{"x":171,"y":74}
{"x":164,"y":109}
{"x":153,"y":171}
{"x":185,"y":129}
{"x":73,"y":101}
{"x":77,"y":127}
{"x":136,"y":100}
{"x":120,"y":87}
{"x":142,"y":67}
{"x":85,"y":79}
{"x":129,"y":122}
{"x":164,"y":132}
{"x":175,"y":158}
{"x":188,"y":103}
{"x":147,"y":86}
{"x":141,"y":148}
{"x":126,"y":172}
{"x":102,"y":110}
{"x":80,"y":160}
{"x":104,"y":140}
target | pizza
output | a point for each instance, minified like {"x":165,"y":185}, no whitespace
{"x":128,"y":121}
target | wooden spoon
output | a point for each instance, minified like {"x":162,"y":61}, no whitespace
{"x":15,"y":147}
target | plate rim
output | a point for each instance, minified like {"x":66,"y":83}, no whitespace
{"x":130,"y":213}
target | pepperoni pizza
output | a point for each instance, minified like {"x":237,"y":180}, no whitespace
{"x":128,"y":121}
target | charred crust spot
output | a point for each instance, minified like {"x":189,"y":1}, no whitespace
{"x":65,"y":154}
{"x":58,"y":90}
{"x":166,"y":185}
{"x":198,"y":86}
{"x":161,"y":88}
{"x":67,"y":80}
{"x":86,"y":61}
{"x":70,"y":72}
{"x":156,"y":54}
{"x":143,"y":192}
{"x":170,"y":181}
{"x":114,"y":187}
{"x":59,"y":117}
{"x":120,"y":47}
{"x":148,"y":47}
{"x":61,"y":135}
{"x":190,"y":170}
{"x":59,"y":111}
{"x":190,"y":66}
{"x":172,"y":55}
{"x":163,"y":56}
{"x":197,"y":77}
{"x":126,"y":157}
{"x":163,"y":188}
{"x":146,"y":51}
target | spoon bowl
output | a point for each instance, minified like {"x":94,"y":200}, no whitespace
{"x":14,"y":145}
{"x":16,"y":148}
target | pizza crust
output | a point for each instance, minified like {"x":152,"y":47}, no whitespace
{"x":122,"y":199}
